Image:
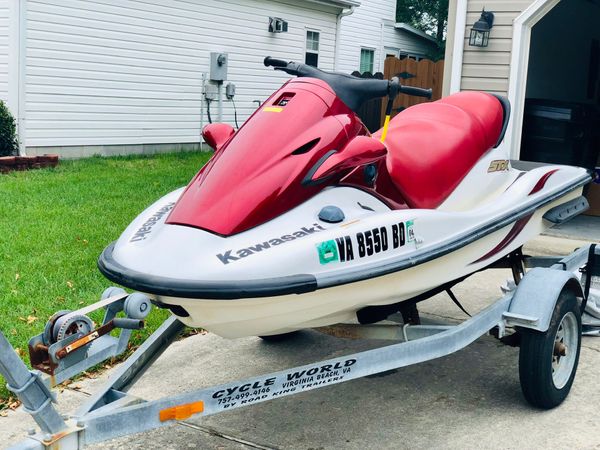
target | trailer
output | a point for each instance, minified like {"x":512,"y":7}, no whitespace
{"x":543,"y":311}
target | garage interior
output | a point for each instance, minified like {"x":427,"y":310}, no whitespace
{"x":562,"y":108}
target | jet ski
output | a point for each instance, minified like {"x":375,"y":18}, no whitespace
{"x":304,"y":219}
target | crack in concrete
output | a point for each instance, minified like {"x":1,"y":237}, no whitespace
{"x":213,"y":432}
{"x":591,"y":348}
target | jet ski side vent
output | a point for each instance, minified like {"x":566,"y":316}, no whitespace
{"x":306,"y":147}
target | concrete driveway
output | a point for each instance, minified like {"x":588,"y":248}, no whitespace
{"x":471,"y":399}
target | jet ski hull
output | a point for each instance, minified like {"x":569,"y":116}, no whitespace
{"x":293,"y":273}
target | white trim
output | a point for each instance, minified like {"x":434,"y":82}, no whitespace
{"x":459,"y":46}
{"x":519,"y":65}
{"x":306,"y":50}
{"x":394,"y":50}
{"x":22,"y":76}
{"x":368,"y":48}
{"x":378,"y":58}
{"x":13,"y":59}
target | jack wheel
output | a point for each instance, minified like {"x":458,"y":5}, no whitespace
{"x":548,"y":360}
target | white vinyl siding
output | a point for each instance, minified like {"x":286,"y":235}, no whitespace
{"x":5,"y":19}
{"x":363,"y":28}
{"x":487,"y":69}
{"x":372,"y":26}
{"x":102,"y":72}
{"x":406,"y":42}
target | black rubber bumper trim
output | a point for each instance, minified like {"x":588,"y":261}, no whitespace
{"x":213,"y":290}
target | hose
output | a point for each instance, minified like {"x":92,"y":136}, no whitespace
{"x":235,"y":114}
{"x":208,"y":101}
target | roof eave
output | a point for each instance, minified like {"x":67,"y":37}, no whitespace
{"x":338,"y":3}
{"x":406,"y":27}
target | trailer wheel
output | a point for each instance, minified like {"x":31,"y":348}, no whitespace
{"x":279,"y":337}
{"x":548,"y":360}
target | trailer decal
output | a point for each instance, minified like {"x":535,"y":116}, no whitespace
{"x":282,"y":384}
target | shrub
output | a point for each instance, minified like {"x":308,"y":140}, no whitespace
{"x":9,"y":144}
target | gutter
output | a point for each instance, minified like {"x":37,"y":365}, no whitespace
{"x":338,"y":31}
{"x":338,"y":3}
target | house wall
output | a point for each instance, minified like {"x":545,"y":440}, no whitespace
{"x":9,"y":54}
{"x":406,"y":42}
{"x":372,"y":26}
{"x":487,"y":69}
{"x":4,"y":48}
{"x":364,"y":28}
{"x":102,"y":73}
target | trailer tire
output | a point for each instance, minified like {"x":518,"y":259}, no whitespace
{"x":279,"y":337}
{"x":546,"y":376}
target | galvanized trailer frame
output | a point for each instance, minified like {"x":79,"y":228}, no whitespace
{"x":112,"y":412}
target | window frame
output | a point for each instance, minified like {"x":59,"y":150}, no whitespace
{"x":311,"y":51}
{"x":374,"y":53}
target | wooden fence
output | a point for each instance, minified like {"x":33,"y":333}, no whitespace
{"x":423,"y":73}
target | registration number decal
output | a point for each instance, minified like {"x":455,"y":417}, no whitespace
{"x":366,"y":243}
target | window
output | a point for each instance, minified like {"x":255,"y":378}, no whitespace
{"x":367,"y":58}
{"x":312,"y":48}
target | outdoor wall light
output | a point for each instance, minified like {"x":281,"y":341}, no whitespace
{"x":480,"y":33}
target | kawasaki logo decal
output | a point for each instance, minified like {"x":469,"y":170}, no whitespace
{"x":146,"y":228}
{"x":234,"y":255}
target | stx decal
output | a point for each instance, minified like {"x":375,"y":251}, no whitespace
{"x":230,"y":256}
{"x":499,"y":165}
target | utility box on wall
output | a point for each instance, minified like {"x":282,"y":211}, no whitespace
{"x":218,"y":66}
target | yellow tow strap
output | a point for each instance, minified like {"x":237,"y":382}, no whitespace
{"x":385,"y":128}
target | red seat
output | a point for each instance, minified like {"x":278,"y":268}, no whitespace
{"x":432,"y":146}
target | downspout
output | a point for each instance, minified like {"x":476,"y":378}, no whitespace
{"x":338,"y":30}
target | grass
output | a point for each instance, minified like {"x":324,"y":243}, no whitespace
{"x":55,"y":222}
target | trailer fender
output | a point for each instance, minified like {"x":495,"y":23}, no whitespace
{"x":533,"y":302}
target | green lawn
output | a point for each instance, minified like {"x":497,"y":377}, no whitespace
{"x":55,"y":222}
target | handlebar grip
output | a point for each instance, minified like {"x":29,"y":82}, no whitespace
{"x":275,"y":62}
{"x":416,"y":91}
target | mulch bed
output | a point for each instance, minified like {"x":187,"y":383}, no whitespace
{"x":10,"y":163}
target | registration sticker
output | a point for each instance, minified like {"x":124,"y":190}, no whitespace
{"x":328,"y":252}
{"x":410,"y":231}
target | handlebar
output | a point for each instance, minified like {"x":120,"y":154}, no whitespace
{"x":416,"y":91}
{"x":275,"y":62}
{"x":351,"y":90}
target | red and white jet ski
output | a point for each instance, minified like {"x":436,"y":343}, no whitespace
{"x":303,"y":219}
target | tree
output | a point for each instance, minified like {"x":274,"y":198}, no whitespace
{"x":430,"y":16}
{"x":9,"y":144}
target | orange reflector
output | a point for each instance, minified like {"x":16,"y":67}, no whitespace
{"x":181,"y":412}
